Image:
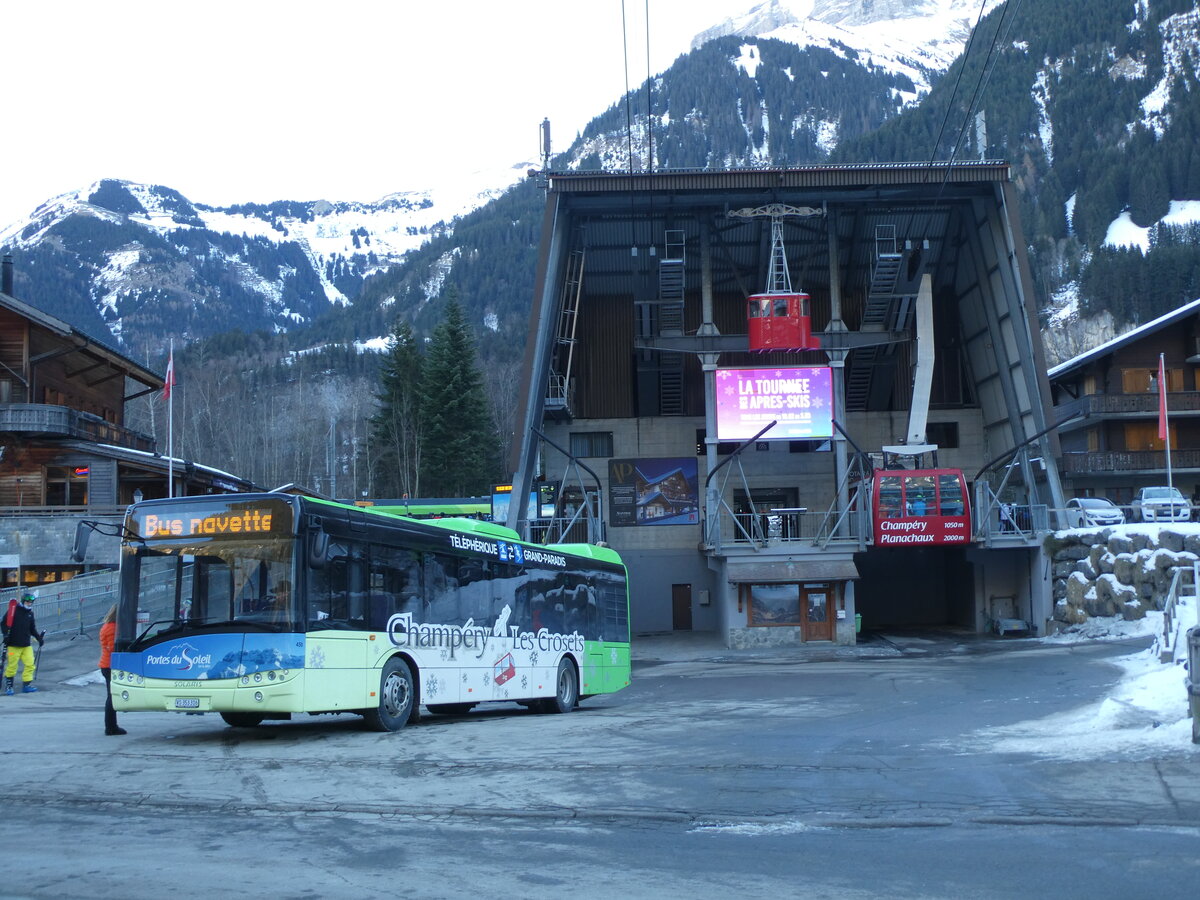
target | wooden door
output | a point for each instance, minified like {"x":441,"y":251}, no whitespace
{"x":816,"y":608}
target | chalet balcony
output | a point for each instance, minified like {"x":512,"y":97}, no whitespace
{"x":1125,"y":406}
{"x":1093,"y":462}
{"x":39,"y":419}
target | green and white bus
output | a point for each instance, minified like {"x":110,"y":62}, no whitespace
{"x":261,"y":606}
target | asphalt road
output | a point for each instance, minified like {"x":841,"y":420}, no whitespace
{"x":871,"y":774}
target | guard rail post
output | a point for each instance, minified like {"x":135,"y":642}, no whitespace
{"x":1193,"y":680}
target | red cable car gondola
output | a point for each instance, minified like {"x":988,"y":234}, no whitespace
{"x":920,"y":507}
{"x":780,"y":322}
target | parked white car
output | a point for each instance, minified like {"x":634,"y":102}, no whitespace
{"x":1160,"y":504}
{"x":1086,"y":512}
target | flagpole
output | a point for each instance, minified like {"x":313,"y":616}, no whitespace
{"x":171,"y":421}
{"x":1164,"y":425}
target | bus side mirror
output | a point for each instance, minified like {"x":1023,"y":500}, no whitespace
{"x":83,"y":531}
{"x":318,"y":549}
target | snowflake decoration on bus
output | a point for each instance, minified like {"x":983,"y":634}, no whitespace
{"x":434,"y":686}
{"x":316,"y":659}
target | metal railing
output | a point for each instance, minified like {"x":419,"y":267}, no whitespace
{"x":1118,"y":404}
{"x":91,"y":511}
{"x":1089,"y":461}
{"x":70,"y":607}
{"x":742,"y":530}
{"x":572,"y":530}
{"x":1175,"y":619}
{"x":41,"y":418}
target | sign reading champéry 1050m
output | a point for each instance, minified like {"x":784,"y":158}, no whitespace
{"x":226,"y":521}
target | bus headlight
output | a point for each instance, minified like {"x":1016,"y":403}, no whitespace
{"x":245,"y":679}
{"x":125,"y":695}
{"x":258,"y":696}
{"x":139,"y":679}
{"x":270,"y":676}
{"x":257,"y":677}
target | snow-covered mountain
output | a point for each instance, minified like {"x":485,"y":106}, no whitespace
{"x":139,"y":250}
{"x":1091,"y":99}
{"x":917,"y":38}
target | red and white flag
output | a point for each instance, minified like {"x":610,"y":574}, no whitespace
{"x":169,"y":381}
{"x":1162,"y":399}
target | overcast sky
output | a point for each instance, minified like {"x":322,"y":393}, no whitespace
{"x":232,"y":101}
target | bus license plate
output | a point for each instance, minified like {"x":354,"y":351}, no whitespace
{"x":187,"y":702}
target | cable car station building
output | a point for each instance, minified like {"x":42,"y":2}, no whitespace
{"x":791,"y":398}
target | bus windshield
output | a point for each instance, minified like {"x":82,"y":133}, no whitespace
{"x":232,"y":582}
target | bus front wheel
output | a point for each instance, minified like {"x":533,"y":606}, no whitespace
{"x":566,"y":690}
{"x":396,"y":698}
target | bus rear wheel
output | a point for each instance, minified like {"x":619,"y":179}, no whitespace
{"x":449,"y":709}
{"x":241,"y":720}
{"x":566,"y":690}
{"x":396,"y":698}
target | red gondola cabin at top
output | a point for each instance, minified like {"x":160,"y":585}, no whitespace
{"x":780,"y":322}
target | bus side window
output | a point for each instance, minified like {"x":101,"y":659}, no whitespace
{"x":441,"y":589}
{"x":395,"y":586}
{"x":580,"y":610}
{"x":616,"y":610}
{"x":474,"y":591}
{"x":327,"y":590}
{"x":511,"y":590}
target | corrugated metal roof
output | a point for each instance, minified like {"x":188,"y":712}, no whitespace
{"x":858,"y":175}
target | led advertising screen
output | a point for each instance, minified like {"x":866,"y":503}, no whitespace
{"x":799,"y":399}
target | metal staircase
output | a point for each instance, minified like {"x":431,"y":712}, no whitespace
{"x":672,"y":270}
{"x":558,"y":399}
{"x":881,"y":300}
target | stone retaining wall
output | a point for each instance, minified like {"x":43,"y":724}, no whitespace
{"x":1116,"y":571}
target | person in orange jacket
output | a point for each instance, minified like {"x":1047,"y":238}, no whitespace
{"x":108,"y":637}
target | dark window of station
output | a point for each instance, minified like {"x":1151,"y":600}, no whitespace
{"x":591,"y":443}
{"x":944,"y":434}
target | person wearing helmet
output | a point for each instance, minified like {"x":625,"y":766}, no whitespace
{"x":20,"y":630}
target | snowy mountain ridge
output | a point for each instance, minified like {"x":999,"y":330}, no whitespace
{"x":917,"y":38}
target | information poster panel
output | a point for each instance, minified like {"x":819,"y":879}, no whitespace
{"x":653,"y":492}
{"x":799,"y":400}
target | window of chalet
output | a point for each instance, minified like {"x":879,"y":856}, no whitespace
{"x":66,"y":486}
{"x":1139,"y":381}
{"x":1144,"y":436}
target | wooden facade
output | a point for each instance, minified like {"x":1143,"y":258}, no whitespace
{"x":66,"y":452}
{"x":1108,"y":400}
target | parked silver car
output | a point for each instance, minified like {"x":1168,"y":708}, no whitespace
{"x":1085,"y":512}
{"x":1160,"y":504}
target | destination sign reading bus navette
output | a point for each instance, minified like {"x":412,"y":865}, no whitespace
{"x":213,"y":520}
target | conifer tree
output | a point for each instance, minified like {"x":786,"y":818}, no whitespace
{"x":396,"y":428}
{"x":457,"y":439}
